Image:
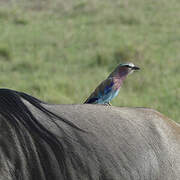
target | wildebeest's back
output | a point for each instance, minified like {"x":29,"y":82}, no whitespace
{"x":114,"y":143}
{"x":123,"y":143}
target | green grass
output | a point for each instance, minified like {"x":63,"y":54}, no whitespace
{"x":59,"y":51}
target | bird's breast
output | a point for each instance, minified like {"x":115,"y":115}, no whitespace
{"x":117,"y":84}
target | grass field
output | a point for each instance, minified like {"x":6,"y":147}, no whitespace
{"x":59,"y":51}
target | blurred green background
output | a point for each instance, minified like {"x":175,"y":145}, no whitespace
{"x":59,"y":51}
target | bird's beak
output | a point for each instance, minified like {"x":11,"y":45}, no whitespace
{"x":135,"y":68}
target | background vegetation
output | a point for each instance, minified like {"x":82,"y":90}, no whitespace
{"x":60,"y":50}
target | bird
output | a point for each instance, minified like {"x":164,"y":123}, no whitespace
{"x":109,"y":88}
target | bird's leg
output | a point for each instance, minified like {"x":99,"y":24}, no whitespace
{"x":108,"y":104}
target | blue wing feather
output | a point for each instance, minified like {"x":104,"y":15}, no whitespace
{"x":103,"y":93}
{"x":108,"y":88}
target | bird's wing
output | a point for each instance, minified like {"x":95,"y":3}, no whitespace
{"x":104,"y":88}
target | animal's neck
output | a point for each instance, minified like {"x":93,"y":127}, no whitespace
{"x":123,"y":73}
{"x":118,"y":82}
{"x":119,"y":78}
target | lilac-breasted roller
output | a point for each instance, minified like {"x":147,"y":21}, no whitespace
{"x":109,"y":88}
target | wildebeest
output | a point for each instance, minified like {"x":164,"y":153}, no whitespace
{"x":40,"y":141}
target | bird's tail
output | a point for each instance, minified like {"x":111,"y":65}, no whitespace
{"x":91,"y":101}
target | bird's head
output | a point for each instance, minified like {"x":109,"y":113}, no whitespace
{"x":124,"y":69}
{"x":129,"y":67}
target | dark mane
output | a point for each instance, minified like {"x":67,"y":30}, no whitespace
{"x":14,"y":98}
{"x":13,"y":109}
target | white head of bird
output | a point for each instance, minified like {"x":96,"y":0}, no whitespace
{"x":124,"y":69}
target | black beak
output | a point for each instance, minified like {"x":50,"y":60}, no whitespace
{"x":135,"y":68}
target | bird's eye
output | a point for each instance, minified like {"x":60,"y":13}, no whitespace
{"x":127,"y":66}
